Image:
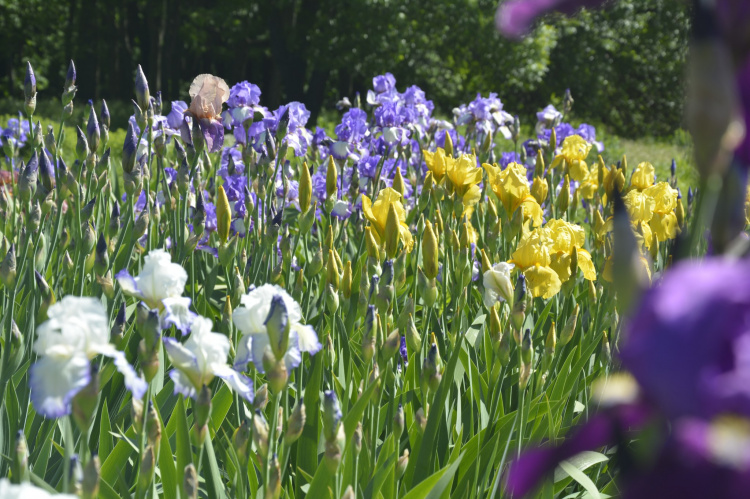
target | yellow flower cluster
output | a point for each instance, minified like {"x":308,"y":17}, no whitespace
{"x":460,"y":176}
{"x":651,"y":206}
{"x":512,"y":189}
{"x":546,"y":256}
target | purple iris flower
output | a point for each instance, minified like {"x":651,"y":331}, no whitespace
{"x":689,"y":344}
{"x":507,"y":158}
{"x":384,"y":83}
{"x":353,"y":126}
{"x":688,"y":348}
{"x":244,"y":93}
{"x":176,"y":114}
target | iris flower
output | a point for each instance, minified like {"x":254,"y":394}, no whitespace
{"x":532,"y":257}
{"x":208,"y":93}
{"x":201,"y":358}
{"x":464,"y":176}
{"x":160,"y":285}
{"x":512,"y":188}
{"x":77,"y":331}
{"x":377,"y":213}
{"x":497,"y":284}
{"x":250,"y":318}
{"x":574,"y":152}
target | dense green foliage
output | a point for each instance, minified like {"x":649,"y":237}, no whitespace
{"x":315,"y":52}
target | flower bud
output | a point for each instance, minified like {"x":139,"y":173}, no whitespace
{"x":8,"y":268}
{"x":332,"y":272}
{"x":129,"y":149}
{"x":431,"y":372}
{"x":146,"y":473}
{"x":346,"y":281}
{"x":273,"y":489}
{"x":277,"y":326}
{"x":348,"y":493}
{"x":190,"y":482}
{"x":420,"y":418}
{"x":331,"y":178}
{"x":427,"y":288}
{"x":295,"y":424}
{"x":276,"y":372}
{"x":223,"y":215}
{"x":101,"y":260}
{"x":518,"y":313}
{"x":540,"y":189}
{"x":430,"y":251}
{"x":149,"y":360}
{"x":305,"y":188}
{"x":241,"y":441}
{"x":141,"y":89}
{"x":403,"y":461}
{"x":570,"y":326}
{"x":391,"y":344}
{"x":398,"y":422}
{"x":91,"y":477}
{"x":563,"y":199}
{"x":369,"y":334}
{"x":398,"y":182}
{"x":260,"y":434}
{"x":20,"y":462}
{"x":114,"y":220}
{"x":49,"y":140}
{"x":331,"y":414}
{"x":29,"y":89}
{"x":92,"y":131}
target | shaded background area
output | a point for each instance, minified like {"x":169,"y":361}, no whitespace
{"x":623,"y":65}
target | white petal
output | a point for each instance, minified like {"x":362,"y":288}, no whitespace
{"x":136,"y":384}
{"x":307,"y":339}
{"x":128,"y":284}
{"x":236,"y":381}
{"x":181,"y":357}
{"x":177,"y":313}
{"x":182,"y":383}
{"x":54,"y":382}
{"x":244,"y":354}
{"x":292,"y":358}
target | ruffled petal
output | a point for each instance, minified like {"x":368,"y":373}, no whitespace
{"x":306,"y":338}
{"x":55,"y":381}
{"x":177,"y":313}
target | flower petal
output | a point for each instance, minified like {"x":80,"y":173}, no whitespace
{"x":54,"y":382}
{"x":236,"y":381}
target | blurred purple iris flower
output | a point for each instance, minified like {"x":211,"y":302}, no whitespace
{"x":688,"y":348}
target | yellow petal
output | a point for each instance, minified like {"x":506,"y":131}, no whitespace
{"x":542,"y":281}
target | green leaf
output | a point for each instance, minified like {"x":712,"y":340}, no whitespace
{"x":105,"y":439}
{"x":434,"y":485}
{"x":581,"y":461}
{"x":169,"y":483}
{"x":580,"y":477}
{"x":426,"y":458}
{"x":214,"y":482}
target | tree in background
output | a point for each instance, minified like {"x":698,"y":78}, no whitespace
{"x":316,"y":51}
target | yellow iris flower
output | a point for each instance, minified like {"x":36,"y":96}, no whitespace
{"x":377,"y":213}
{"x":640,"y":206}
{"x":533,"y":259}
{"x":575,"y":149}
{"x":664,"y":221}
{"x":437,"y":162}
{"x":643,"y":176}
{"x":512,"y":189}
{"x":563,"y":237}
{"x":464,"y":176}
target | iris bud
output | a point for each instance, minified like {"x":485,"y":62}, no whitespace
{"x":295,"y":424}
{"x":141,"y":89}
{"x":570,"y":325}
{"x":331,"y":178}
{"x":277,"y":326}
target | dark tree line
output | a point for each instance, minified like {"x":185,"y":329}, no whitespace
{"x":316,"y":51}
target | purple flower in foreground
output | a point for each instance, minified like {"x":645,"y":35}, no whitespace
{"x":688,"y":348}
{"x":689,"y":344}
{"x":514,"y":18}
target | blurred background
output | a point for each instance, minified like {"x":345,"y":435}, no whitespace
{"x":624,"y":65}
